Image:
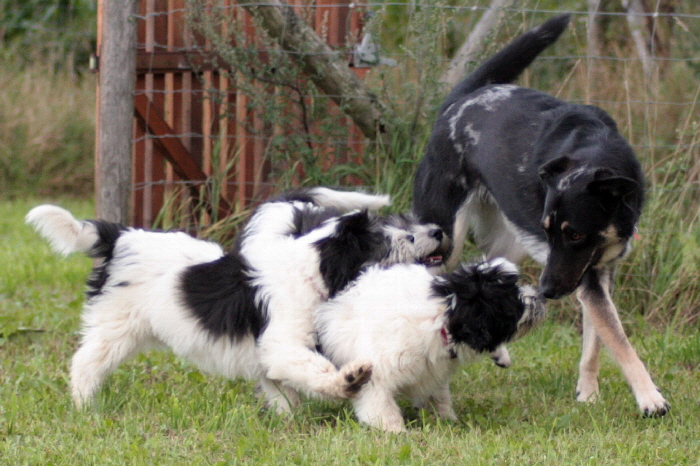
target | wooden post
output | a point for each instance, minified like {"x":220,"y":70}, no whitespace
{"x":115,"y":113}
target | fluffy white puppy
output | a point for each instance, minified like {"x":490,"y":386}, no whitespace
{"x":246,"y":313}
{"x":416,"y":329}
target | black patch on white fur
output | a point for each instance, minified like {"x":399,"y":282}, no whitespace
{"x":108,"y":233}
{"x":357,"y":242}
{"x":220,"y":296}
{"x":486,"y":307}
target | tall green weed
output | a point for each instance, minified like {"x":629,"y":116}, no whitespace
{"x":47,"y":130}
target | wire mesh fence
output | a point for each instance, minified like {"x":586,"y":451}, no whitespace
{"x":252,"y":123}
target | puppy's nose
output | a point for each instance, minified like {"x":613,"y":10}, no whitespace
{"x":436,"y":233}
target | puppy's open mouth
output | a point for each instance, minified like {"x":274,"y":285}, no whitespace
{"x":432,"y":261}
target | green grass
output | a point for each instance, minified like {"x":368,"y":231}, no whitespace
{"x":156,"y":409}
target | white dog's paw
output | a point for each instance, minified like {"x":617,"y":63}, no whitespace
{"x":501,"y":357}
{"x":653,"y":404}
{"x":587,"y":389}
{"x":393,"y":426}
{"x":353,"y":376}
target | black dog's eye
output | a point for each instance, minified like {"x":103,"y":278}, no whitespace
{"x":575,"y":237}
{"x":410,"y":238}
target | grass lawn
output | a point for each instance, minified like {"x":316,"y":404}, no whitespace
{"x":158,"y":410}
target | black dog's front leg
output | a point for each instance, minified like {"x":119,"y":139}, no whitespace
{"x":601,"y":324}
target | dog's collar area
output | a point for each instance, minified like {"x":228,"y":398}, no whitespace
{"x":446,"y":343}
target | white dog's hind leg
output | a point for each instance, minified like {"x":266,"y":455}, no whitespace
{"x":279,"y":397}
{"x":96,"y":359}
{"x":376,"y":407}
{"x":439,"y":402}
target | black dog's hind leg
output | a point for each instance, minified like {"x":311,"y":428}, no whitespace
{"x":601,"y":324}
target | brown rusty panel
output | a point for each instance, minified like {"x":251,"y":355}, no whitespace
{"x":173,"y":62}
{"x":139,"y":163}
{"x":141,"y":26}
{"x":177,"y":30}
{"x":183,"y":164}
{"x":331,"y":21}
{"x":242,"y":169}
{"x":160,"y":24}
{"x":191,"y":98}
{"x":262,"y":166}
{"x":139,"y":148}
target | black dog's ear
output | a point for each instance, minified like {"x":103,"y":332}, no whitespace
{"x":550,"y":170}
{"x":610,"y":188}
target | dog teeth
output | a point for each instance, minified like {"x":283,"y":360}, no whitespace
{"x":433,"y":261}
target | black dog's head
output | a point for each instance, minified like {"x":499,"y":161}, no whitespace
{"x":589,"y":217}
{"x":486,"y":307}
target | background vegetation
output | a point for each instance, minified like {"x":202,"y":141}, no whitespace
{"x":158,"y":410}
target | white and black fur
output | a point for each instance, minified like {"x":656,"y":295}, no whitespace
{"x":530,"y":174}
{"x":228,"y":313}
{"x":415,"y":329}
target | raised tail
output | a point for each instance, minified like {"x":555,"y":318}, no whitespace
{"x":513,"y":59}
{"x":67,"y":235}
{"x":342,"y":201}
{"x":347,"y":201}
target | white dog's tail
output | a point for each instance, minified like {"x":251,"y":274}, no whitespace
{"x":346,"y":201}
{"x":67,"y":235}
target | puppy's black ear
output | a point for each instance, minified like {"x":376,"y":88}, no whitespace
{"x":354,"y":224}
{"x":550,"y":170}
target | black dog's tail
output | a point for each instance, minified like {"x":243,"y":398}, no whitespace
{"x":506,"y":65}
{"x":66,"y":235}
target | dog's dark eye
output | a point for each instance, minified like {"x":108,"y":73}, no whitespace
{"x":571,"y":234}
{"x":410,"y":238}
{"x":575,"y":237}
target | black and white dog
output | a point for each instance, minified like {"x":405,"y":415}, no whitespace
{"x":416,"y":329}
{"x":530,"y":174}
{"x":247,"y":313}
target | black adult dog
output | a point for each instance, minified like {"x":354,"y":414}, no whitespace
{"x":530,"y":174}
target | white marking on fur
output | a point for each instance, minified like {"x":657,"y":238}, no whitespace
{"x":571,"y":177}
{"x":64,"y":233}
{"x":472,"y":134}
{"x":494,"y":233}
{"x":504,"y":264}
{"x":546,"y":223}
{"x":522,"y":166}
{"x":487,"y":99}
